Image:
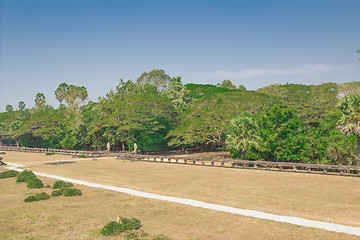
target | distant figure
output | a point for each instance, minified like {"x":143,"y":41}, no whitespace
{"x":135,"y":147}
{"x":108,"y":147}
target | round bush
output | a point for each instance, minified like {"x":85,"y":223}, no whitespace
{"x":31,"y":199}
{"x":2,"y":152}
{"x":129,"y":224}
{"x":50,"y":153}
{"x":42,"y":196}
{"x":69,"y":192}
{"x":25,"y":176}
{"x":56,"y":193}
{"x":112,"y":228}
{"x":8,"y":174}
{"x":47,"y":186}
{"x":61,"y":184}
{"x":34,"y":183}
{"x":82,"y":156}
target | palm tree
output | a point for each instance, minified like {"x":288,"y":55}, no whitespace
{"x":9,"y":108}
{"x":40,"y":99}
{"x":21,"y":106}
{"x":242,"y":135}
{"x":61,"y":91}
{"x":349,"y":123}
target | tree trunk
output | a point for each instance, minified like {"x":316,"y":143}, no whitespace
{"x":123,"y":146}
{"x":17,"y":143}
{"x":244,"y":154}
{"x":358,"y":145}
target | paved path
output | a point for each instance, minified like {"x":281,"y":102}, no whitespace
{"x":244,"y":212}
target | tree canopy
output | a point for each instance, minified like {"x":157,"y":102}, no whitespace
{"x":290,"y":122}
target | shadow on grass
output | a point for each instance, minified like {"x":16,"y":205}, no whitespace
{"x":59,"y":163}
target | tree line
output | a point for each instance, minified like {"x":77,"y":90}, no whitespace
{"x":289,"y":122}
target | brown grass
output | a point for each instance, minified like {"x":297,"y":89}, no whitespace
{"x":327,"y":198}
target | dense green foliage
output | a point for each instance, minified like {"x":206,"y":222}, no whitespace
{"x":293,"y":122}
{"x":8,"y":174}
{"x":37,"y":197}
{"x":31,"y":199}
{"x":25,"y":176}
{"x":42,"y":196}
{"x":69,"y":192}
{"x":56,"y":193}
{"x":125,"y":224}
{"x":34,"y":183}
{"x":203,"y":125}
{"x":61,"y":184}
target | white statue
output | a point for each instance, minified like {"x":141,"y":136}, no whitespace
{"x":108,"y":147}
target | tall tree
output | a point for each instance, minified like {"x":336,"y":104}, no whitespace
{"x":9,"y":108}
{"x":21,"y":106}
{"x":178,"y":94}
{"x":349,"y":122}
{"x":156,"y":77}
{"x":40,"y":99}
{"x":13,"y":127}
{"x":75,"y":95}
{"x":241,"y":87}
{"x":61,"y":91}
{"x":226,"y":84}
{"x":242,"y":136}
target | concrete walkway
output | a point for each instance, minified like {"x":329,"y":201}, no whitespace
{"x":244,"y":212}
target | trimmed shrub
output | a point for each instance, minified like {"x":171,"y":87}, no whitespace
{"x":69,"y":192}
{"x":42,"y":196}
{"x":50,"y":153}
{"x":82,"y":156}
{"x":129,"y":224}
{"x":56,"y":193}
{"x":112,"y":228}
{"x":34,"y":183}
{"x":25,"y":176}
{"x":2,"y":152}
{"x":8,"y":174}
{"x":47,"y":186}
{"x":31,"y":199}
{"x":61,"y":184}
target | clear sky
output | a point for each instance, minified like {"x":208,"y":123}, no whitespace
{"x":94,"y":43}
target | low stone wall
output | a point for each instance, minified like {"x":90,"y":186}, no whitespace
{"x":344,"y":170}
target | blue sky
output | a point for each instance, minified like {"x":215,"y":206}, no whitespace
{"x":94,"y":43}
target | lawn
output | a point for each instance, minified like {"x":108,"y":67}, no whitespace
{"x":327,"y":198}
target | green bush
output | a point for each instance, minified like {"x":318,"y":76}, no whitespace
{"x":34,"y":183}
{"x":82,"y":156}
{"x":56,"y":193}
{"x":2,"y":152}
{"x":31,"y":199}
{"x":131,"y":235}
{"x":42,"y":196}
{"x":47,"y":186}
{"x":25,"y":176}
{"x":129,"y":224}
{"x":112,"y":228}
{"x":50,"y":153}
{"x":69,"y":192}
{"x":61,"y":184}
{"x":9,"y":174}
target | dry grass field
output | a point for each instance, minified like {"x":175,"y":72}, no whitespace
{"x":333,"y":199}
